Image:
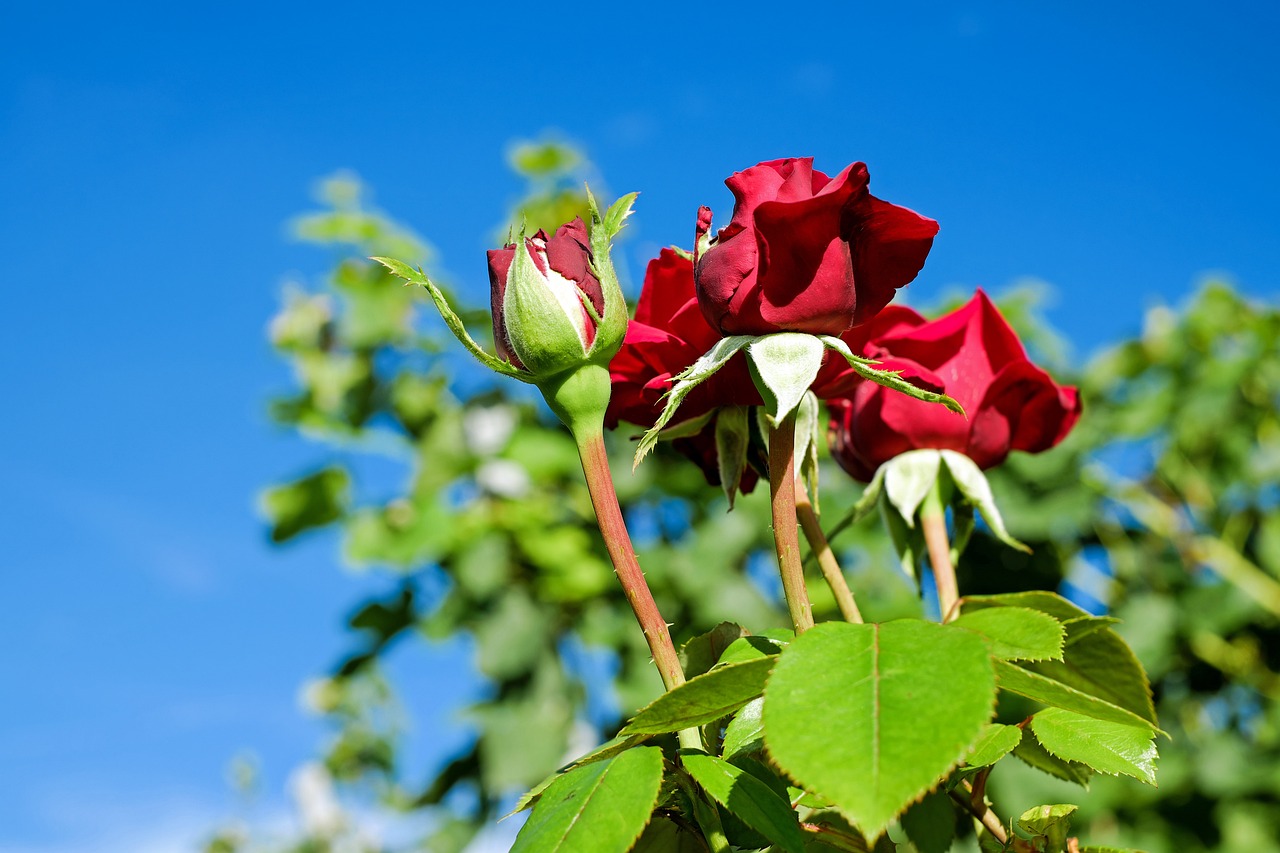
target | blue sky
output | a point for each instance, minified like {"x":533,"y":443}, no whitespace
{"x":152,"y":154}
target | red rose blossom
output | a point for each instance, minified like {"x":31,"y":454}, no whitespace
{"x":667,"y":335}
{"x":975,"y":357}
{"x":805,"y":252}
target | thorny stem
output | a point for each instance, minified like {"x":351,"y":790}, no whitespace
{"x":826,"y":558}
{"x":933,"y":522}
{"x":786,"y":536}
{"x":604,"y":498}
{"x":980,"y":810}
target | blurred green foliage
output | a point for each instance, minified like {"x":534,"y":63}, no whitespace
{"x":1162,"y":506}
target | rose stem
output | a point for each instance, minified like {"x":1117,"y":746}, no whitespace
{"x":786,"y":536}
{"x":604,"y":498}
{"x":982,"y":813}
{"x":933,"y":521}
{"x":826,"y":558}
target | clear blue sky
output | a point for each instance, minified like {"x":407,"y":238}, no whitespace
{"x":151,"y":154}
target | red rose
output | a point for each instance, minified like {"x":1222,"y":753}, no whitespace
{"x":975,"y":356}
{"x":667,"y":335}
{"x":563,"y":263}
{"x":806,"y":253}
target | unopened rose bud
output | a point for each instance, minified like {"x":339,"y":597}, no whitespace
{"x":548,"y":303}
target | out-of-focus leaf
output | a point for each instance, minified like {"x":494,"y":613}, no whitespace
{"x":313,"y":501}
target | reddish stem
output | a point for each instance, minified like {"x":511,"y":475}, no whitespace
{"x":826,"y":558}
{"x":786,"y":535}
{"x":933,"y":522}
{"x":595,"y":464}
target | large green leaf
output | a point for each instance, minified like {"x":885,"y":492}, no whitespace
{"x":704,"y":699}
{"x":1031,"y":753}
{"x":1056,"y":694}
{"x":751,"y":800}
{"x":1017,"y":633}
{"x":872,"y":716}
{"x":596,"y":808}
{"x":1105,"y":746}
{"x":1101,"y":664}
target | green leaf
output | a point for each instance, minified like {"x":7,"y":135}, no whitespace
{"x":1017,"y":633}
{"x":899,"y":705}
{"x":751,"y":647}
{"x":783,"y":366}
{"x":1107,"y":747}
{"x":995,"y":742}
{"x":1042,"y":688}
{"x":606,"y":750}
{"x":748,"y":798}
{"x":972,"y":483}
{"x":1046,"y":602}
{"x":744,"y":735}
{"x":1078,"y":629}
{"x":702,"y":652}
{"x":931,"y":823}
{"x":887,"y":378}
{"x":600,"y":807}
{"x":1031,"y":753}
{"x":313,"y":501}
{"x":665,"y":836}
{"x":1052,"y":823}
{"x":688,"y":379}
{"x":1100,"y":663}
{"x":704,"y":699}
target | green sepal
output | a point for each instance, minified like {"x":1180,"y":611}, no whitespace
{"x":808,"y":437}
{"x":732,"y":436}
{"x":612,"y":328}
{"x":972,"y":484}
{"x":783,"y":366}
{"x":452,"y":320}
{"x":688,"y":379}
{"x":864,"y":367}
{"x":538,"y":328}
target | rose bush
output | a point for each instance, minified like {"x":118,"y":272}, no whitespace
{"x":805,"y":252}
{"x":973,"y":354}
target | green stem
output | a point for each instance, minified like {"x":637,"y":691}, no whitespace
{"x":786,"y":536}
{"x":604,"y":498}
{"x":933,"y":522}
{"x":826,"y":558}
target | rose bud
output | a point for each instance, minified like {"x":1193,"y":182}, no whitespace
{"x":805,"y":252}
{"x":547,"y":309}
{"x":558,"y":313}
{"x":977,"y":358}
